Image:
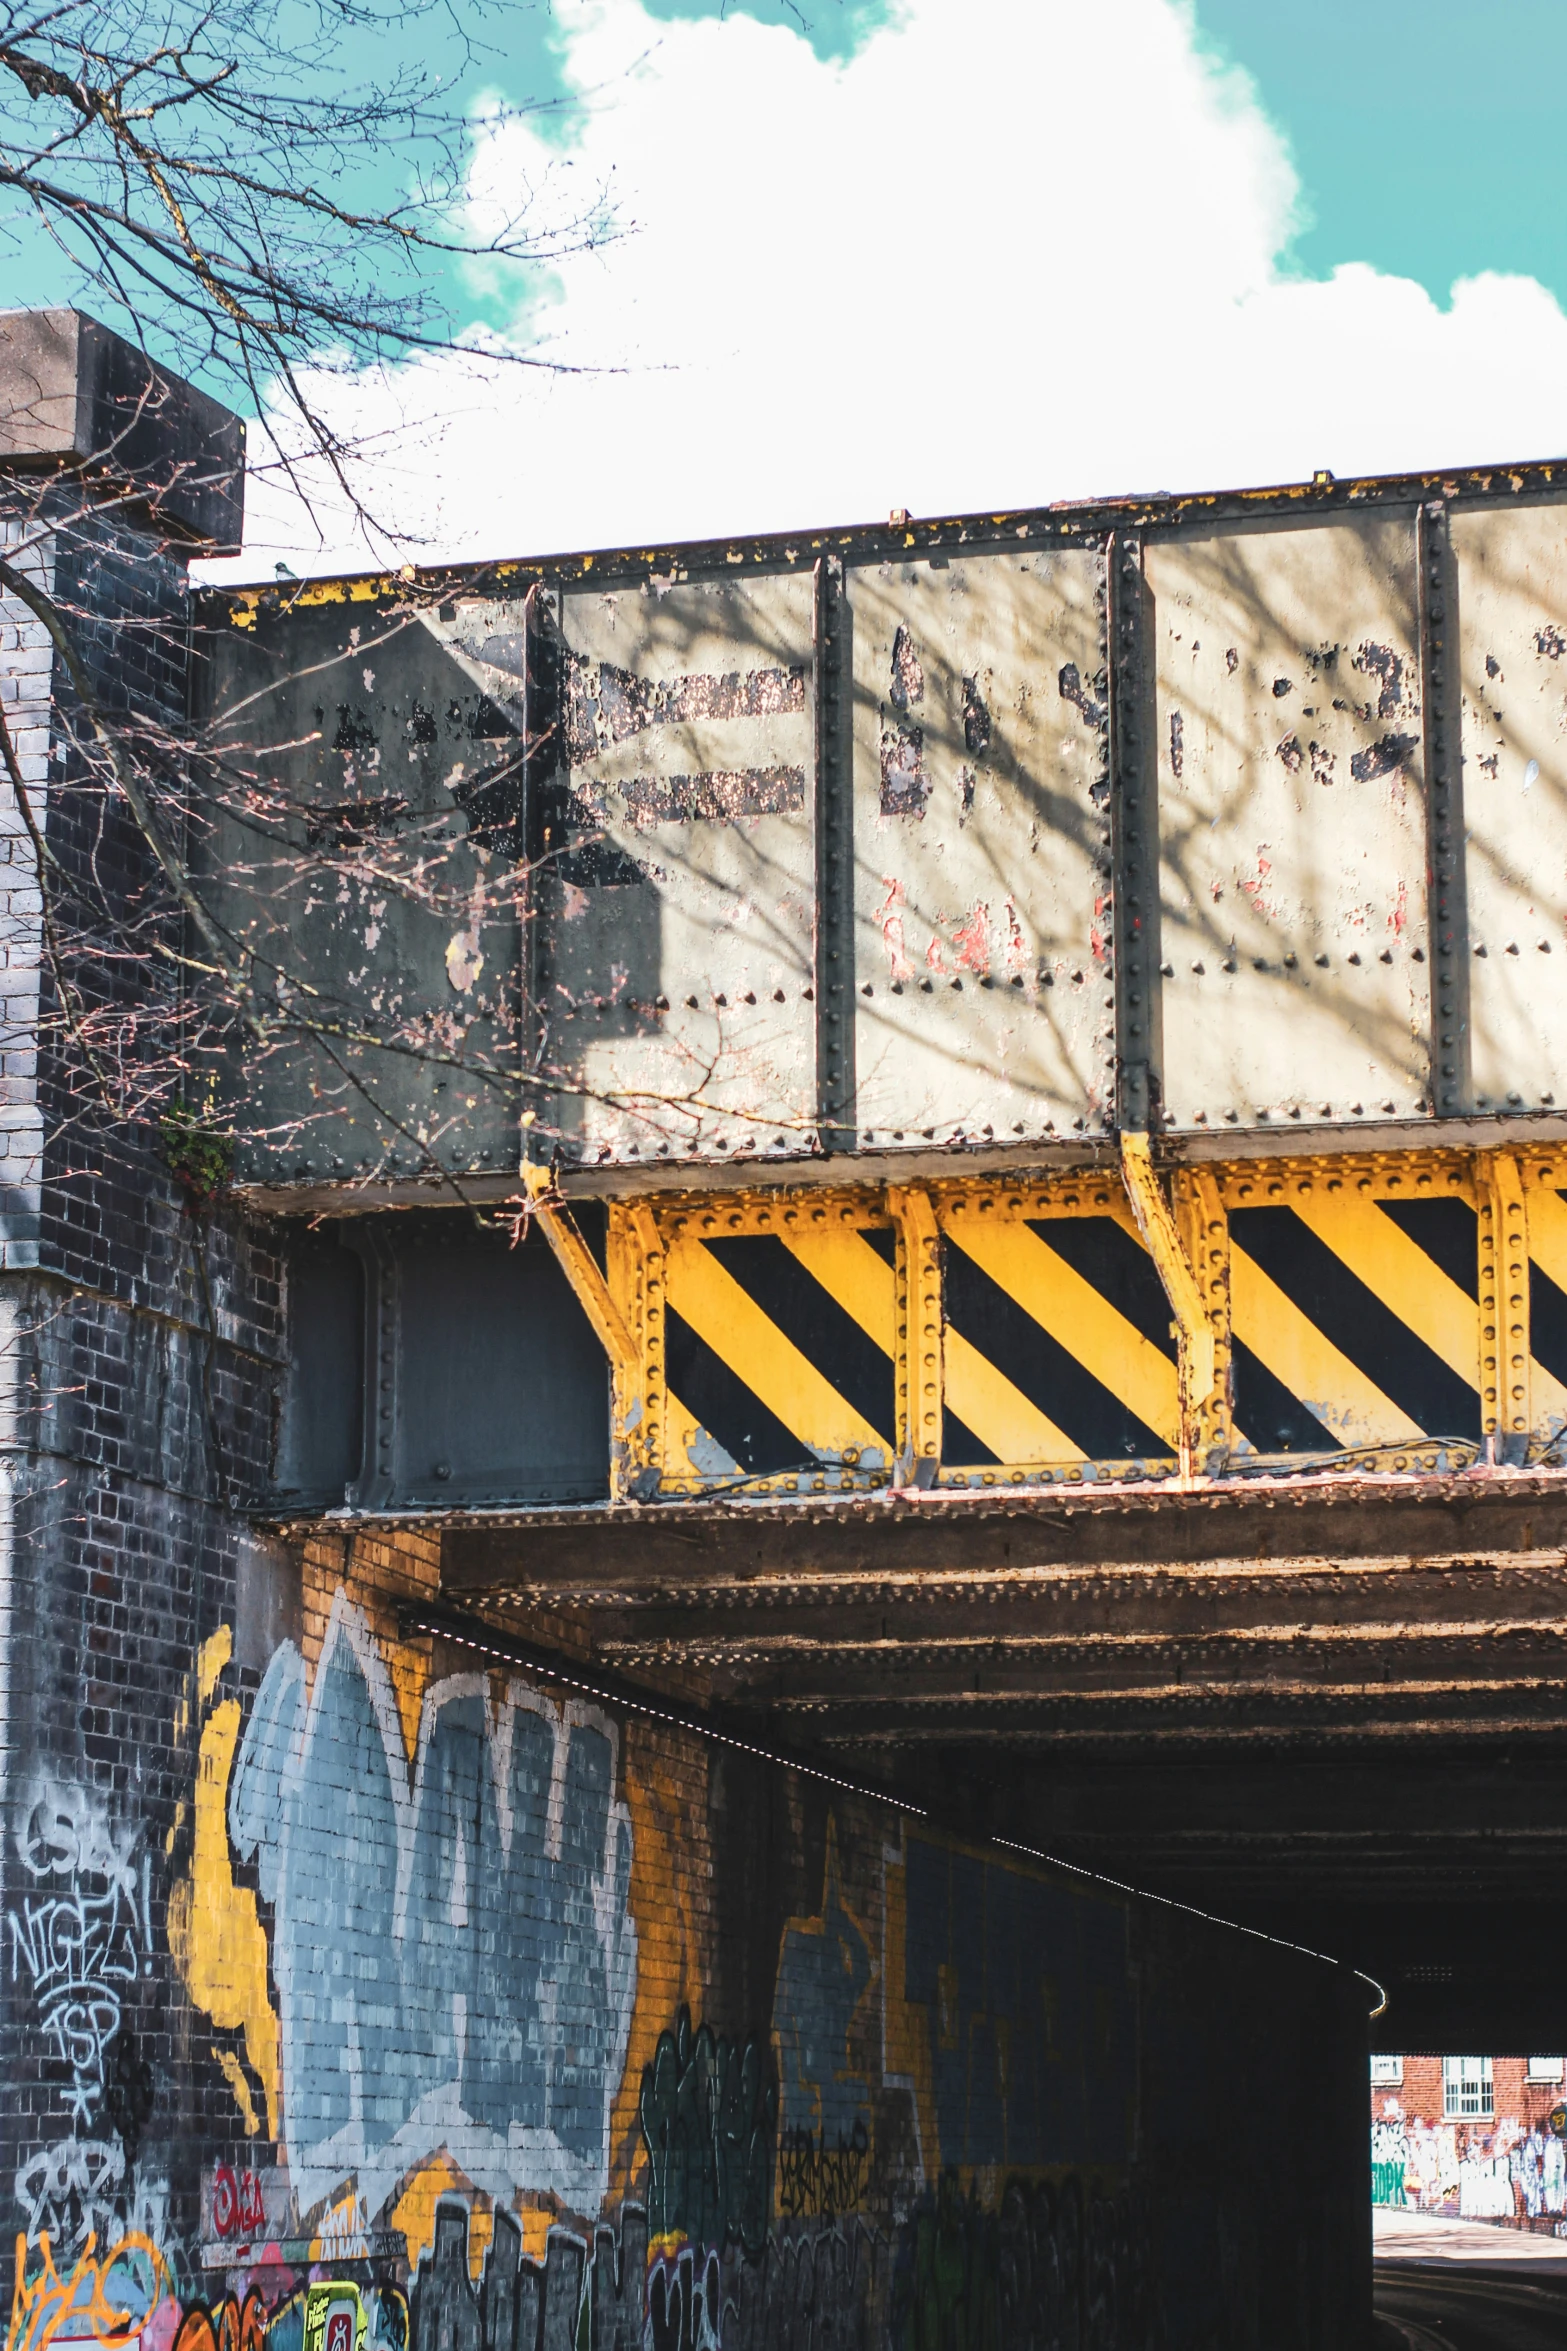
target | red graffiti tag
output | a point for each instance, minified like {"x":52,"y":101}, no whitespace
{"x":237,"y":2206}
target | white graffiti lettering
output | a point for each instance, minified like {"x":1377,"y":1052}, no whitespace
{"x":76,"y":2189}
{"x":81,"y":1936}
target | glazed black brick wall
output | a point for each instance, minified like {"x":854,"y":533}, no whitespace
{"x":142,"y":1360}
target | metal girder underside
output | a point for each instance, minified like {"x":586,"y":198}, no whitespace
{"x":1336,"y":1709}
{"x":1293,"y":1617}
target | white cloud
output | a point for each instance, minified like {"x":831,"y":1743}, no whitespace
{"x":1011,"y":251}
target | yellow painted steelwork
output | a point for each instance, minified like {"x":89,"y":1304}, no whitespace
{"x":1406,"y":1310}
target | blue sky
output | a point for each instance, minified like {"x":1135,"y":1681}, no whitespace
{"x":956,"y":253}
{"x":1430,"y":135}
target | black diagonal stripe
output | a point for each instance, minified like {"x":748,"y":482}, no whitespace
{"x":716,"y":1396}
{"x":847,"y":1357}
{"x":961,"y":1447}
{"x":1449,"y":1233}
{"x":958,"y":1441}
{"x":1268,"y":1416}
{"x":1117,"y":1266}
{"x":1547,"y":1323}
{"x":1357,"y":1322}
{"x":1052,"y":1380}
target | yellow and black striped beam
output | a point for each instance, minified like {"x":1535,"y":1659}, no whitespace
{"x":780,"y":1346}
{"x":1354,"y":1309}
{"x":1403,"y":1309}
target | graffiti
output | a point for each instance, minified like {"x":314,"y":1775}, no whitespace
{"x":81,"y":1934}
{"x":709,"y":2115}
{"x":233,"y":2326}
{"x":1491,"y":2171}
{"x":111,"y":2298}
{"x":519,"y":2301}
{"x":453,"y":1949}
{"x":215,"y":1933}
{"x":335,"y":2317}
{"x":824,"y":2290}
{"x":1485,"y":2187}
{"x":1053,"y":2269}
{"x":238,"y":2208}
{"x":824,"y":1972}
{"x":999,"y":1973}
{"x":821,"y":2180}
{"x":1389,"y":2161}
{"x":69,"y":2190}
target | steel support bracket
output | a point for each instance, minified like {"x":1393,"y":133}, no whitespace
{"x":635,"y":1261}
{"x":1204,"y":1231}
{"x":921,"y":1384}
{"x":580,"y":1267}
{"x":1195,"y":1343}
{"x":1505,"y":1400}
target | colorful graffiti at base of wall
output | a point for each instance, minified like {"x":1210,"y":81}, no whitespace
{"x":107,"y":2299}
{"x":1056,"y":2266}
{"x":451,"y":1940}
{"x":709,"y":2114}
{"x":1498,"y":2170}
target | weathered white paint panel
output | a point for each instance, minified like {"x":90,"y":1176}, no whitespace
{"x":683,"y":870}
{"x":1512,"y":604}
{"x":1292,"y":871}
{"x":983,"y":964}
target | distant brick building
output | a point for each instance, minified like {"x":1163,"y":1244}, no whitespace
{"x":1473,"y":2138}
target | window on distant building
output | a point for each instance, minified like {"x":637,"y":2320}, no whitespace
{"x":1466,"y":2087}
{"x":1545,"y":2069}
{"x":1391,"y":2069}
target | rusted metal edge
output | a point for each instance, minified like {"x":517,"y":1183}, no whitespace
{"x":1481,"y":1487}
{"x":1066,"y":522}
{"x":1479,"y":1131}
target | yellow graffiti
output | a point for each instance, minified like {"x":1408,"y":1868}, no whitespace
{"x":41,"y":2304}
{"x":668,"y":1830}
{"x":215,"y":1934}
{"x":414,"y":2212}
{"x":234,"y":2075}
{"x":905,"y":2023}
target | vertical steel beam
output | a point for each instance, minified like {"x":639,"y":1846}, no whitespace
{"x":371,"y":1242}
{"x":920,"y":1370}
{"x":1447,"y":911}
{"x":543,"y":782}
{"x":1134,"y":793}
{"x":1505,"y":1398}
{"x":1196,"y":1352}
{"x":832,"y":634}
{"x":580,"y":1267}
{"x":1204,"y":1232}
{"x":635,"y":1272}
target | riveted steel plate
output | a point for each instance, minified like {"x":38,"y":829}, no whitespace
{"x":676,"y":893}
{"x":984,"y":996}
{"x":1292,"y":852}
{"x":1355,"y":1325}
{"x":1059,"y":1353}
{"x":780,"y":1344}
{"x":361,"y":851}
{"x":1512,"y":606}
